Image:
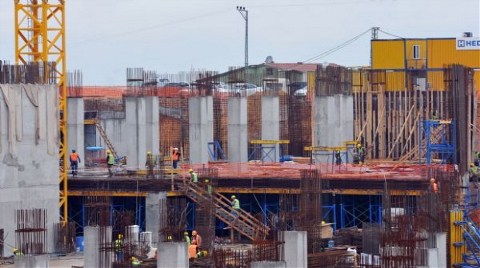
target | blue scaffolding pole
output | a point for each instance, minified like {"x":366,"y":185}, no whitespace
{"x":438,"y":139}
{"x":345,"y":211}
{"x":215,"y":151}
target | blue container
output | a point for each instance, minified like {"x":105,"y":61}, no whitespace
{"x":331,"y":244}
{"x":79,"y":243}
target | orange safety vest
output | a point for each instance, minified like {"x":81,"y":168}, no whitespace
{"x":176,"y":156}
{"x":74,"y":157}
{"x":435,"y":187}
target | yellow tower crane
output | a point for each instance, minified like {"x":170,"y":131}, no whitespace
{"x":40,"y":37}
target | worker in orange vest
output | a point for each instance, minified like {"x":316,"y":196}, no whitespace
{"x":175,"y":158}
{"x":433,"y":186}
{"x":74,"y":160}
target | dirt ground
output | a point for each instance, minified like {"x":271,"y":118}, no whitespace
{"x":75,"y":260}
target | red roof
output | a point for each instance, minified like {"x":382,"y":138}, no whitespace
{"x":300,"y":67}
{"x":97,"y":91}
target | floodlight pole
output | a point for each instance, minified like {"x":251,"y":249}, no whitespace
{"x":244,"y":14}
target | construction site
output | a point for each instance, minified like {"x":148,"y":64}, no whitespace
{"x":331,"y":166}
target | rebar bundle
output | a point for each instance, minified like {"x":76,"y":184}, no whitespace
{"x":31,"y":231}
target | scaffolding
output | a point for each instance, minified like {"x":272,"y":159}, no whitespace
{"x":438,"y":141}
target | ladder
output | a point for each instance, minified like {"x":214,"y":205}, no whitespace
{"x":243,"y":223}
{"x":105,"y":138}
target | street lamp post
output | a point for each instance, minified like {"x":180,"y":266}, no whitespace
{"x":244,"y":14}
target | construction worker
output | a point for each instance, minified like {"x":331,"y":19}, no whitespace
{"x":118,"y":245}
{"x":193,"y":176}
{"x":150,"y":164}
{"x":186,"y":238}
{"x":476,"y":159}
{"x":208,"y":186}
{"x":473,"y":171}
{"x":135,"y":261}
{"x":433,"y":186}
{"x":338,"y":158}
{"x":196,"y":239}
{"x":360,"y":153}
{"x":175,"y":158}
{"x":17,"y":252}
{"x":74,"y":160}
{"x":202,"y":253}
{"x":110,"y":163}
{"x":195,"y":244}
{"x":235,"y":205}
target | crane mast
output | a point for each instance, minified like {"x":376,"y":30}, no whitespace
{"x":40,"y":38}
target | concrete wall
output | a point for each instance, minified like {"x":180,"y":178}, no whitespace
{"x":200,"y":114}
{"x":237,"y":130}
{"x":333,"y":121}
{"x":29,"y":171}
{"x":137,"y":133}
{"x":75,"y":127}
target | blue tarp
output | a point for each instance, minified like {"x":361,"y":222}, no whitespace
{"x":94,"y":148}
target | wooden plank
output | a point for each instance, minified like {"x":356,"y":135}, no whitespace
{"x":404,"y":126}
{"x":380,"y":131}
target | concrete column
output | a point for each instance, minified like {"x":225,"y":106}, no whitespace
{"x":91,"y":254}
{"x":200,"y":112}
{"x":135,"y":131}
{"x":94,"y":240}
{"x":153,"y":207}
{"x":442,"y":250}
{"x":271,"y":126}
{"x":268,"y":264}
{"x":295,"y":249}
{"x":237,"y":130}
{"x":333,"y":121}
{"x":152,"y":132}
{"x":75,"y":127}
{"x":172,"y":255}
{"x":38,"y":261}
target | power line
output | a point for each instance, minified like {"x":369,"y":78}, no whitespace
{"x":391,"y":34}
{"x":332,"y":50}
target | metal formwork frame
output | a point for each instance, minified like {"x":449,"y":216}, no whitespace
{"x":438,"y":137}
{"x":215,"y":151}
{"x":40,"y":37}
{"x":267,"y":148}
{"x":345,"y":211}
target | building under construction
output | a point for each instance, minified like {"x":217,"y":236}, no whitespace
{"x":283,"y":138}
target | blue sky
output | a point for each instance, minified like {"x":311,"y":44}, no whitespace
{"x":104,"y":37}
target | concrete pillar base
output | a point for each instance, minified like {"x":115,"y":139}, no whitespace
{"x":172,"y":255}
{"x":268,"y":264}
{"x":39,"y":261}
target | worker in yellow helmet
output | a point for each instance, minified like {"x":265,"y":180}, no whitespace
{"x":193,"y":176}
{"x":361,"y":153}
{"x":17,"y":252}
{"x":118,"y":245}
{"x":235,"y":203}
{"x":135,"y":261}
{"x":473,"y":172}
{"x":110,"y":163}
{"x":150,"y":164}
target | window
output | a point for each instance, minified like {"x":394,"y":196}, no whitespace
{"x":416,"y":51}
{"x":269,"y":71}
